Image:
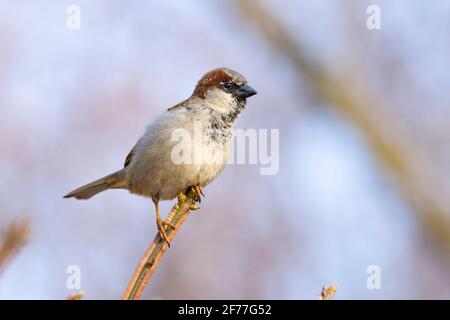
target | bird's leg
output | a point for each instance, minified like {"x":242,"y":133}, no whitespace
{"x":161,"y":224}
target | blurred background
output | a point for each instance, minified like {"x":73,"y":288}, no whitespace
{"x":364,"y":123}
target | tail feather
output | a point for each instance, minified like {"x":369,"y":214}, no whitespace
{"x":113,"y":181}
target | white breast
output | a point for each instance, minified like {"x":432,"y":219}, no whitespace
{"x":152,"y":171}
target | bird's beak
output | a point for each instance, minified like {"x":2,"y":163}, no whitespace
{"x":245,"y":92}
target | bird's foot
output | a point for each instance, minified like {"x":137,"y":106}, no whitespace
{"x":194,"y":207}
{"x":181,"y":199}
{"x":196,"y":193}
{"x":162,"y":224}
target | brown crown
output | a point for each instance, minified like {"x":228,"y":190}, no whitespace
{"x":210,"y":80}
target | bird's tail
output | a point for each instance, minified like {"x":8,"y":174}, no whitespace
{"x":113,"y":181}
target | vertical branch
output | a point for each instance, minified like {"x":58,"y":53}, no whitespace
{"x":150,"y":260}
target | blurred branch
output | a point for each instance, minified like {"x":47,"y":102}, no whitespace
{"x":349,"y":95}
{"x":76,"y":295}
{"x":150,"y":260}
{"x":327,"y":292}
{"x":13,"y":237}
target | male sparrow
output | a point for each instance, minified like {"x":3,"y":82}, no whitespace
{"x":151,"y":168}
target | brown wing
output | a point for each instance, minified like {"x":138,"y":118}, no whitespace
{"x":177,"y":106}
{"x":128,"y":158}
{"x":131,"y":153}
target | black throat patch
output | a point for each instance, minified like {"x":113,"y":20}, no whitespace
{"x":221,"y":125}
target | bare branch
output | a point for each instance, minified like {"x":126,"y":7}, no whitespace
{"x":13,"y":237}
{"x":150,"y":260}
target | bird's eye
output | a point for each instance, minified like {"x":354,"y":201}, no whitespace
{"x":228,"y":86}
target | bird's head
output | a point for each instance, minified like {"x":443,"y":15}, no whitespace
{"x":224,"y":90}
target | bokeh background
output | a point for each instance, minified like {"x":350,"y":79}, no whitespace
{"x":364,"y":123}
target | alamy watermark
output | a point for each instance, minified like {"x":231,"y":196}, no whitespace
{"x":374,"y":279}
{"x":73,"y":281}
{"x":250,"y":146}
{"x":373,"y":21}
{"x":73,"y":21}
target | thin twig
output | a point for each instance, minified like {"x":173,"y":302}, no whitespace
{"x":13,"y":237}
{"x":150,"y":260}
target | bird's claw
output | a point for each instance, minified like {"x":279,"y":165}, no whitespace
{"x":162,"y":230}
{"x":194,"y":207}
{"x":196,"y":193}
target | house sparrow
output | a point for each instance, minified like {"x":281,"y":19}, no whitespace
{"x":150,"y":170}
